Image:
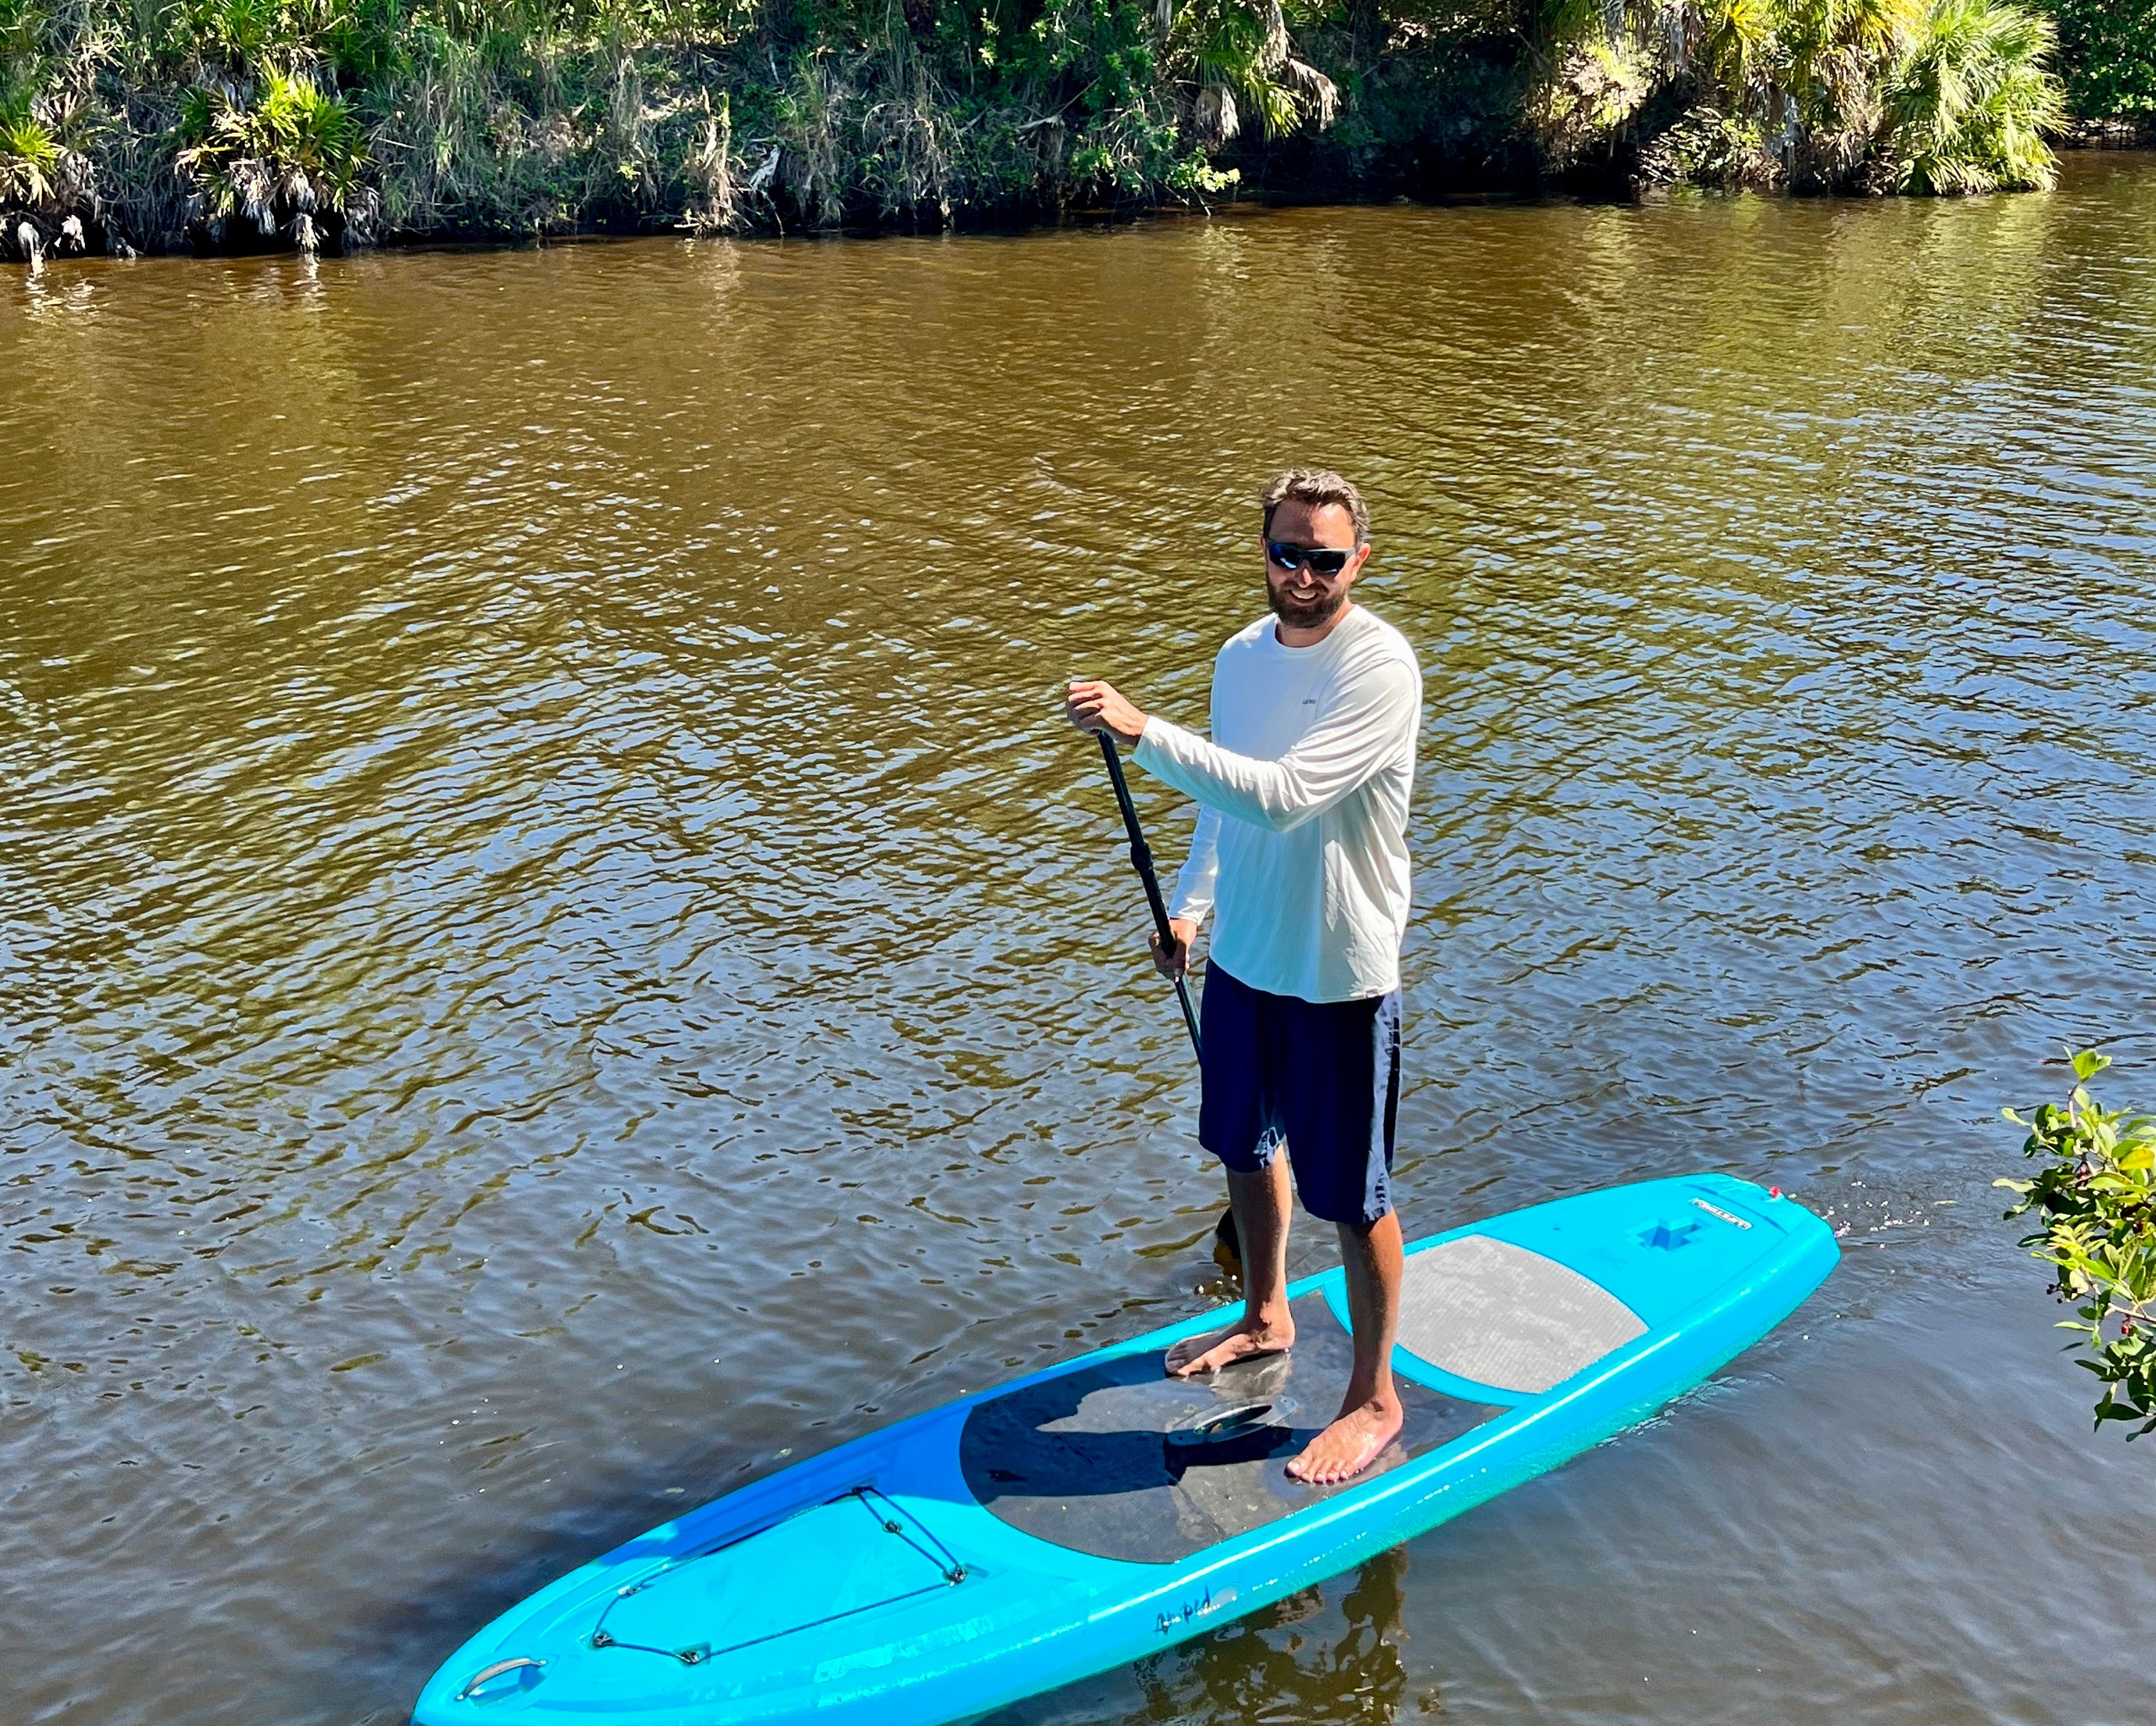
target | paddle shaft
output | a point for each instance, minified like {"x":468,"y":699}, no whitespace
{"x":1141,"y":859}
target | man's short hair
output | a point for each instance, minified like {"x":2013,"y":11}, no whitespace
{"x":1316,"y":487}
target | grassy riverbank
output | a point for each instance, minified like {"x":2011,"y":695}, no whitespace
{"x":237,"y":123}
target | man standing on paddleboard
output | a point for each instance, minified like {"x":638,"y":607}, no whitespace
{"x":1301,"y":855}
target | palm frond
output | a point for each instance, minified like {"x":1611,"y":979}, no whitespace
{"x":1970,"y":101}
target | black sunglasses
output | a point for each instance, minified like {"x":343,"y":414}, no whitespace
{"x":1323,"y":560}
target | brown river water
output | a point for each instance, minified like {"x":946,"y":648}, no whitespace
{"x":557,"y":952}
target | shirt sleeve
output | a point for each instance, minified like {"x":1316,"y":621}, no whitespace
{"x":1193,"y":895}
{"x":1340,"y":752}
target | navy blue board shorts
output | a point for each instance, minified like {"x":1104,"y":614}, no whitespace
{"x":1324,"y":1076}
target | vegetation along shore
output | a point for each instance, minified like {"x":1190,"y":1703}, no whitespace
{"x":236,"y":125}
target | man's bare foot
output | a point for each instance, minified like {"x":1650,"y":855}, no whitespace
{"x":1350,"y":1445}
{"x":1242,"y":1341}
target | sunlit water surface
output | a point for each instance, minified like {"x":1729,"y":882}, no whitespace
{"x":557,"y":953}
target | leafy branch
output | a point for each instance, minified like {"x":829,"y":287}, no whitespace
{"x":2095,"y":1194}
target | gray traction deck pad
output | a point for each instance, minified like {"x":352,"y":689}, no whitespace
{"x":1496,"y":1314}
{"x":1087,"y":1459}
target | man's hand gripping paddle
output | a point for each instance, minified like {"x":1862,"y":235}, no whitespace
{"x":1141,"y":859}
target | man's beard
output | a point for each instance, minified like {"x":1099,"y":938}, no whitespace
{"x":1321,"y":609}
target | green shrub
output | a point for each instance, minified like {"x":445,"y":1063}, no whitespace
{"x":273,"y":161}
{"x":1711,"y":148}
{"x":2095,"y":1194}
{"x":2107,"y":57}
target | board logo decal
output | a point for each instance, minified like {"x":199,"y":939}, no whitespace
{"x":1716,"y":1211}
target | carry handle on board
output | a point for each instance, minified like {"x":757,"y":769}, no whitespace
{"x":1141,"y":859}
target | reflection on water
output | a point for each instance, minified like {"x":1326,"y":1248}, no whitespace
{"x":557,"y":952}
{"x":1298,"y":1661}
{"x":1326,"y":1654}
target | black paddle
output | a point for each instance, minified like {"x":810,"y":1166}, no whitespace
{"x":1141,"y":859}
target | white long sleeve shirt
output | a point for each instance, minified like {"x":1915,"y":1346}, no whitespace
{"x":1301,"y":848}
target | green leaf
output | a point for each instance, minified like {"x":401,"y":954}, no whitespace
{"x":2089,"y":1063}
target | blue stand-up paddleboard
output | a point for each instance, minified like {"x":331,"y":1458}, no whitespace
{"x":1096,"y":1512}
